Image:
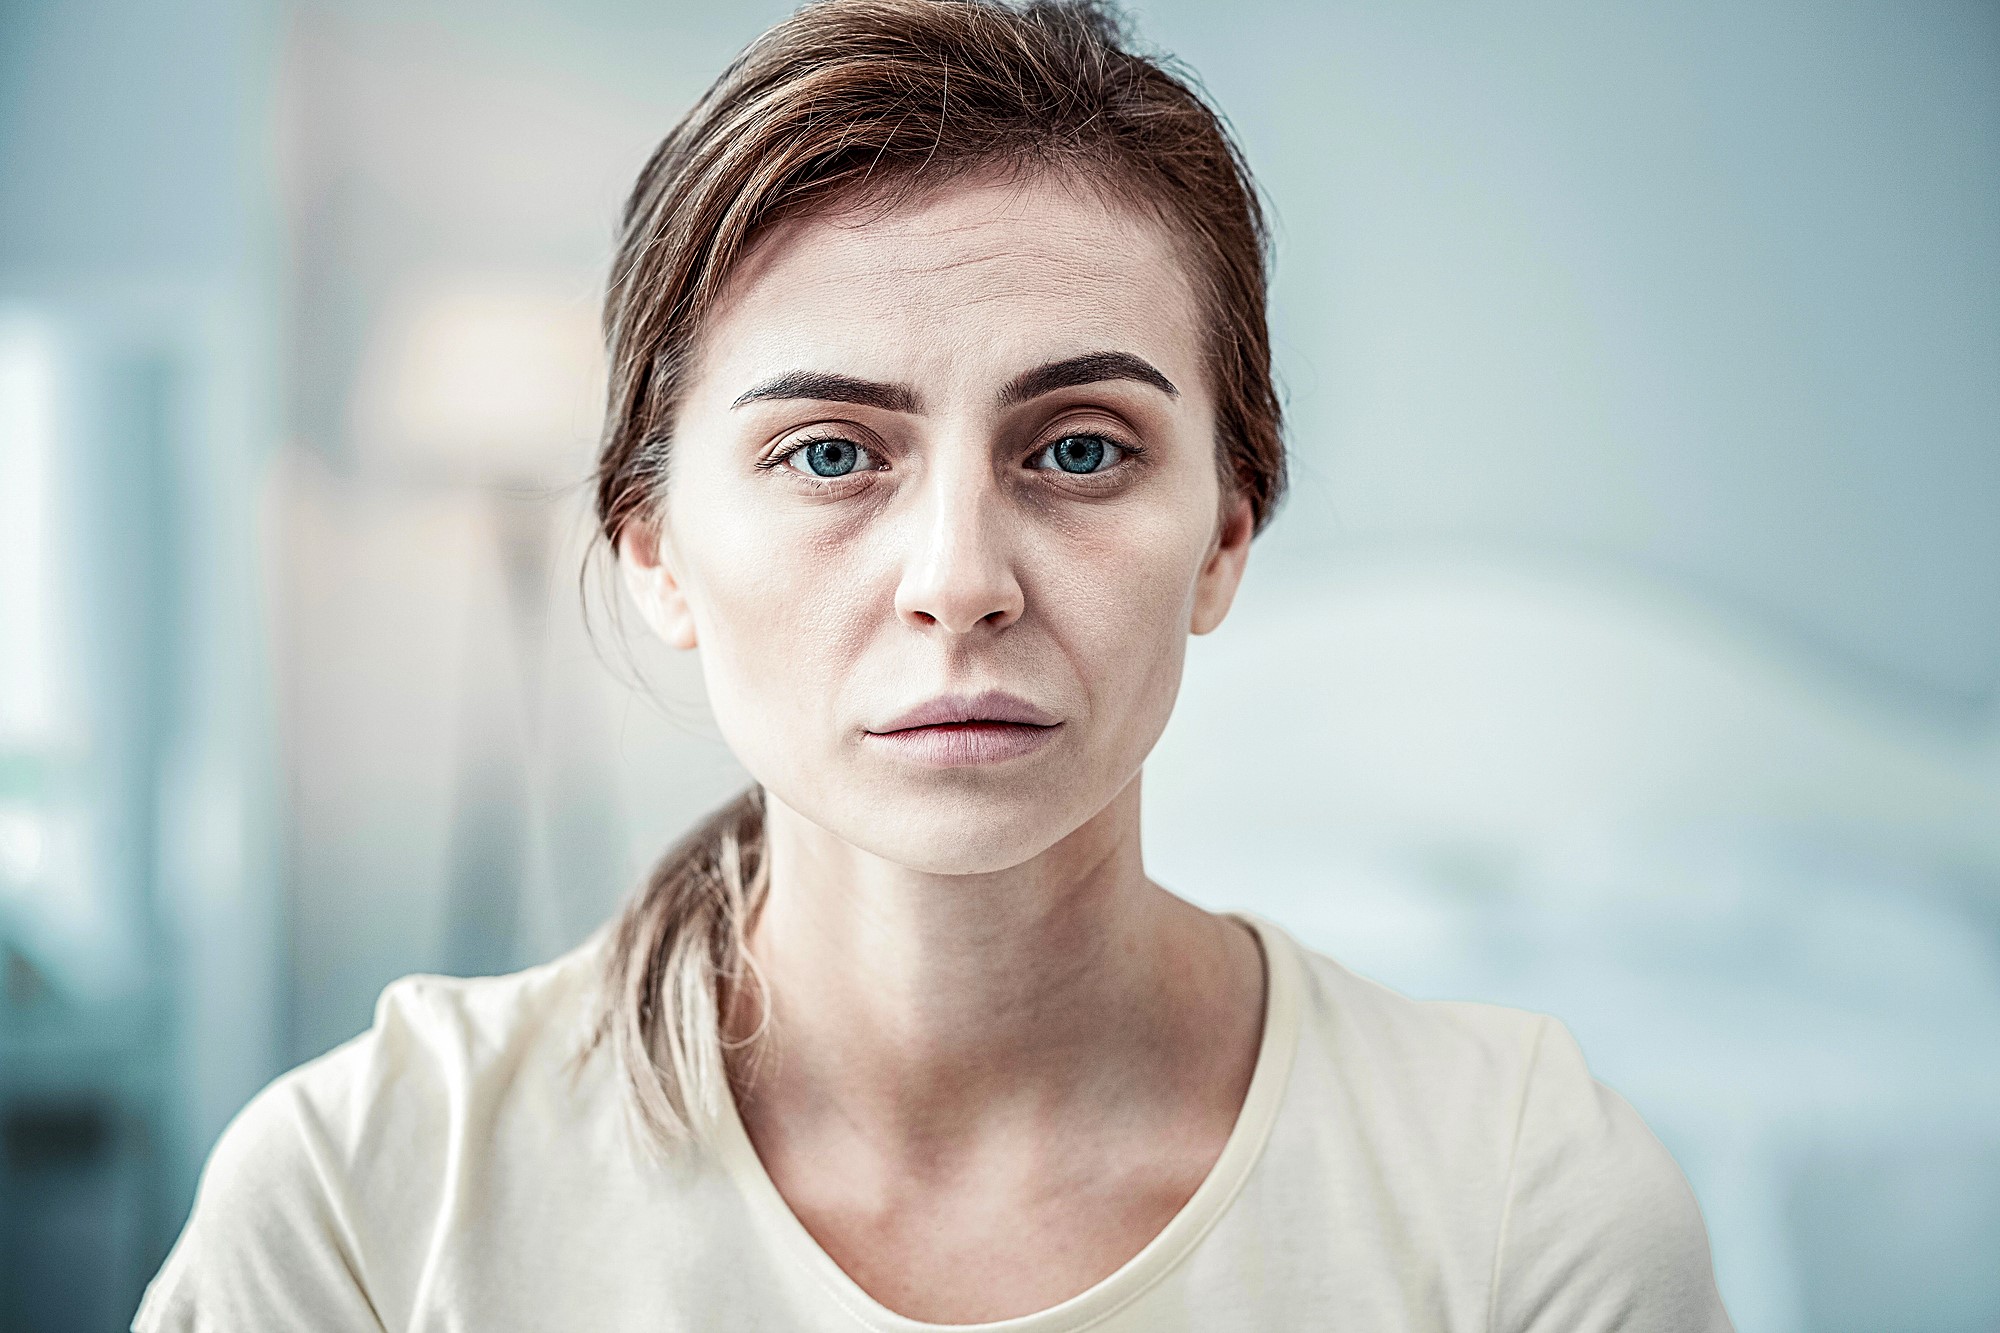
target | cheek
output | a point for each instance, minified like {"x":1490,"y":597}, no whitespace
{"x":1122,"y":595}
{"x":779,"y":610}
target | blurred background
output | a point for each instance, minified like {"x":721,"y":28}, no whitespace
{"x":1629,"y":649}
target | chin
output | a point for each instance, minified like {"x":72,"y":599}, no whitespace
{"x":964,"y":833}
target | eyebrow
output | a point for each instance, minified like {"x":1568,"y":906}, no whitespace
{"x":1090,"y":368}
{"x":827,"y":387}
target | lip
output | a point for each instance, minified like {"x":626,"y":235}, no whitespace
{"x":957,"y":730}
{"x":986,"y":706}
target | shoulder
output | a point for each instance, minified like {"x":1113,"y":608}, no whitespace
{"x":1439,"y":1054}
{"x":440,"y":1049}
{"x":480,"y":1023}
{"x":1600,"y":1228}
{"x":323,"y":1192}
{"x":1580,"y":1213}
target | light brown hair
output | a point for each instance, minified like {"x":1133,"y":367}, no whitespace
{"x":875,"y":99}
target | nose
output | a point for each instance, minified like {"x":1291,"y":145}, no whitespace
{"x":960,"y":573}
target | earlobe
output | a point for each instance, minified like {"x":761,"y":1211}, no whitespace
{"x":651,"y":584}
{"x":1222,"y":573}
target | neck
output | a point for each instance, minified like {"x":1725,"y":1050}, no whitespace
{"x":924,"y":1003}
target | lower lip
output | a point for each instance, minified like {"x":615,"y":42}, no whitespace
{"x":964,"y":743}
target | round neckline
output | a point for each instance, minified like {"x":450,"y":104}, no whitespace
{"x":1154,"y":1261}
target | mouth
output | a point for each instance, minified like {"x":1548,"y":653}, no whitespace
{"x":954,"y":731}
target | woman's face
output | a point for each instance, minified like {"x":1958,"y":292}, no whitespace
{"x":943,"y":509}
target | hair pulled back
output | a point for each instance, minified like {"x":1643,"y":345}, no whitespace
{"x":878,"y":98}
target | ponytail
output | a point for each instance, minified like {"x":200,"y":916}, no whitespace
{"x":676,"y":958}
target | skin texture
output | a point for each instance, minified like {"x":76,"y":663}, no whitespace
{"x":998,"y":1057}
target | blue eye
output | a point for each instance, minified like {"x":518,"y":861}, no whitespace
{"x":827,"y":458}
{"x":1080,"y":454}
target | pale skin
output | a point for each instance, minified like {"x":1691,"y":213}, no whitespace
{"x":998,"y":1058}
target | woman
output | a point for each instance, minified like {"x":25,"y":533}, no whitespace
{"x":941,"y":414}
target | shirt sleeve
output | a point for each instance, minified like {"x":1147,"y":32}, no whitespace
{"x":270,"y":1244}
{"x":1599,"y":1229}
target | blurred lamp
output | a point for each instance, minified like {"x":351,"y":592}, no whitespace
{"x":484,"y":381}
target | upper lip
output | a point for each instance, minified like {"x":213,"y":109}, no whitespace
{"x":986,"y":706}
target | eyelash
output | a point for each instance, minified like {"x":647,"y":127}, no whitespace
{"x":804,"y":442}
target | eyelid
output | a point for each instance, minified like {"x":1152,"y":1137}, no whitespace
{"x":1089,"y":418}
{"x":1120,"y":438}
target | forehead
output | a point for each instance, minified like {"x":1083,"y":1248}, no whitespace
{"x":1001,"y":273}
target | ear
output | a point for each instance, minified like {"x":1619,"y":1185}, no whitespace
{"x":1215,"y":587}
{"x":650,"y":580}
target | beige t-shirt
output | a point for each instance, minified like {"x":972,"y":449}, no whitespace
{"x":1396,"y":1165}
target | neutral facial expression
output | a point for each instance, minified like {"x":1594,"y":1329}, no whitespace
{"x":942,"y":510}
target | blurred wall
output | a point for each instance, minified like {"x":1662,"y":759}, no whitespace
{"x":1704,"y":290}
{"x":139,"y":875}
